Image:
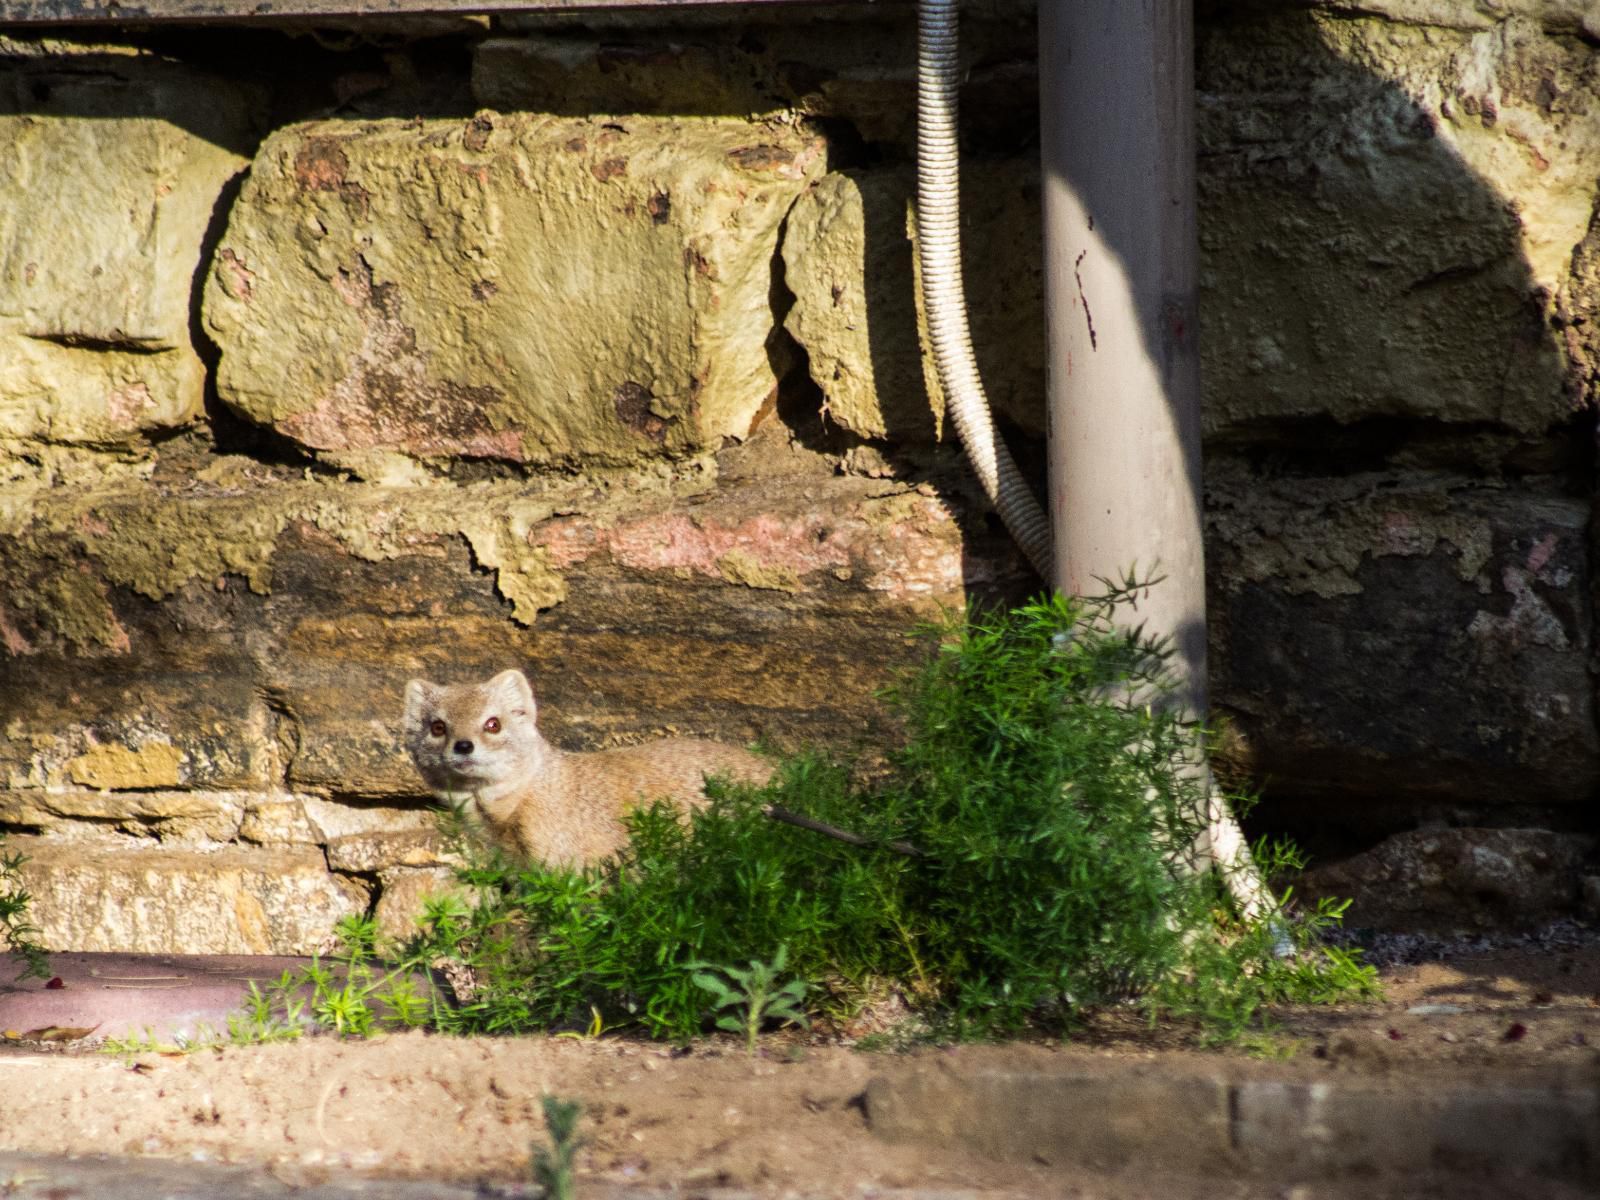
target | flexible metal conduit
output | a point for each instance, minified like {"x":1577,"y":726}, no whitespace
{"x":944,"y":301}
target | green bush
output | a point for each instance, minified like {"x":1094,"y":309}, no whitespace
{"x":550,"y":946}
{"x":16,"y":929}
{"x":1015,"y":868}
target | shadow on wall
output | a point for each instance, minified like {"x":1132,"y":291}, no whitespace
{"x":1396,"y":411}
{"x":1399,"y":435}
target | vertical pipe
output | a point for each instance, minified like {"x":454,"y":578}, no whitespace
{"x":1121,"y":268}
{"x":1121,"y":280}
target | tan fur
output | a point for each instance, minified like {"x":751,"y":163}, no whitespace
{"x":550,"y":805}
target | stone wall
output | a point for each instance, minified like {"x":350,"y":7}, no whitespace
{"x":1396,"y":201}
{"x":330,"y":357}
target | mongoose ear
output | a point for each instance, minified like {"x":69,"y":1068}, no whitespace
{"x":512,"y":690}
{"x":419,"y":695}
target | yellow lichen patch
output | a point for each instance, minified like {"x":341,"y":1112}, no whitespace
{"x":896,"y":508}
{"x":73,"y":605}
{"x":523,"y":574}
{"x":121,"y":768}
{"x":155,"y":548}
{"x":740,"y":566}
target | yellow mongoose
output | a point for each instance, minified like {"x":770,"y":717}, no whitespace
{"x":480,"y":744}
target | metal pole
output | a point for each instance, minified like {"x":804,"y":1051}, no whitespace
{"x":1121,"y":269}
{"x":1121,"y":277}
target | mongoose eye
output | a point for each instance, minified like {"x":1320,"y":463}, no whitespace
{"x":437,"y":729}
{"x":492,"y":725}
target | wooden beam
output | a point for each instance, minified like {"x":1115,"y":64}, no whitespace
{"x":75,"y":12}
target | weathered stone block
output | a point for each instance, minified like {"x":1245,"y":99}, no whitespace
{"x":848,"y":260}
{"x":335,"y":819}
{"x":370,"y":852}
{"x":272,"y":820}
{"x":1388,"y":217}
{"x":120,"y":896}
{"x":1405,"y":644}
{"x":113,"y":168}
{"x":167,"y":815}
{"x":131,"y":731}
{"x":1059,"y":1117}
{"x":510,"y":287}
{"x":1567,"y":16}
{"x":1458,"y":879}
{"x":402,"y":892}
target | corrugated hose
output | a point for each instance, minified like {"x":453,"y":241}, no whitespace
{"x":944,"y":302}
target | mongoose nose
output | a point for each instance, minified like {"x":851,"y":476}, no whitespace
{"x":463,"y":747}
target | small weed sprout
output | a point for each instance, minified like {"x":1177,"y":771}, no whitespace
{"x":258,"y":1025}
{"x":555,"y":1169}
{"x":254,"y":1025}
{"x":752,"y":990}
{"x":15,"y":927}
{"x":351,"y":993}
{"x":133,"y":1045}
{"x":241,"y":1031}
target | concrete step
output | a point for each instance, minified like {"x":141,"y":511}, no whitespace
{"x":1215,"y":1122}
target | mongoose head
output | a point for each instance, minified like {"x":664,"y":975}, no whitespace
{"x":478,"y":740}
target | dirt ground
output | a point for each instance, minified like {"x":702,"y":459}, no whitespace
{"x":789,"y":1119}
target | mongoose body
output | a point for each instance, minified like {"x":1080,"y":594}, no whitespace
{"x":480,"y":745}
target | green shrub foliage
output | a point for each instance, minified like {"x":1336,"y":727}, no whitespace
{"x":1019,"y":864}
{"x":17,"y":931}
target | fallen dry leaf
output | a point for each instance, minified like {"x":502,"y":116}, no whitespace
{"x":59,"y":1033}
